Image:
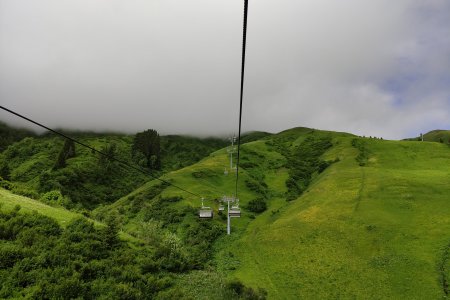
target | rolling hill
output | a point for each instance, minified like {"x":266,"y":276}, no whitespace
{"x":380,"y":231}
{"x":366,"y":218}
{"x":442,"y":136}
{"x":374,"y":224}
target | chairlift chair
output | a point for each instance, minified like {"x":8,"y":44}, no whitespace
{"x":205,"y":213}
{"x":235,"y":212}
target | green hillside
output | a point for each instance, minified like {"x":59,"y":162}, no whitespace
{"x":374,"y":224}
{"x":9,"y":201}
{"x":325,"y":215}
{"x":88,"y":179}
{"x":442,"y":136}
{"x":51,"y":253}
{"x":380,"y":231}
{"x":437,"y":136}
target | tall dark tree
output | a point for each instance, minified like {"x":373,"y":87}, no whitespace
{"x":68,"y":151}
{"x":146,"y":145}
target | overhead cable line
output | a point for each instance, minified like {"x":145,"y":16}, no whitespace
{"x":122,"y":162}
{"x":244,"y":42}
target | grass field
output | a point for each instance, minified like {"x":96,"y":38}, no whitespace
{"x":381,"y":231}
{"x":436,"y":136}
{"x":8,"y":201}
{"x":373,"y":230}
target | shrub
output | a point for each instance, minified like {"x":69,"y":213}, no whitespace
{"x":363,"y":155}
{"x":303,"y":162}
{"x":25,"y":192}
{"x":5,"y":184}
{"x":257,"y":205}
{"x":55,"y":198}
{"x":5,"y":171}
{"x":244,"y":292}
{"x":257,"y":187}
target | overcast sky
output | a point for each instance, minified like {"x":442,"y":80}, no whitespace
{"x":370,"y":67}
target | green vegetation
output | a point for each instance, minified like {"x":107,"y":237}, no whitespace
{"x":38,"y":259}
{"x":303,"y":162}
{"x":373,"y":232}
{"x":84,"y":179}
{"x":440,"y":136}
{"x":38,"y":165}
{"x":181,"y":151}
{"x":8,"y":202}
{"x":146,"y":149}
{"x":363,"y":155}
{"x":68,"y":151}
{"x":9,"y":135}
{"x":83,"y":260}
{"x":257,"y":205}
{"x":370,"y":218}
{"x":254,"y":136}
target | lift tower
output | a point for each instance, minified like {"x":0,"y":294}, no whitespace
{"x":233,"y":212}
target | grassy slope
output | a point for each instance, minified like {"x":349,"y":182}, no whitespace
{"x":435,"y":136}
{"x":9,"y":200}
{"x":212,"y":186}
{"x":378,"y":231}
{"x":359,"y":232}
{"x":63,"y":216}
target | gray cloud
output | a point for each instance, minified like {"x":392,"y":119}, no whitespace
{"x":373,"y":67}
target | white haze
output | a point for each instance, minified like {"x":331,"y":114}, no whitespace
{"x":370,"y":67}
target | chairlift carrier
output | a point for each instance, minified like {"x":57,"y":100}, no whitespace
{"x":205,"y":212}
{"x":235,"y":211}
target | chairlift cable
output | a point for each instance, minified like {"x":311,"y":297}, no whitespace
{"x":244,"y":42}
{"x":122,"y":162}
